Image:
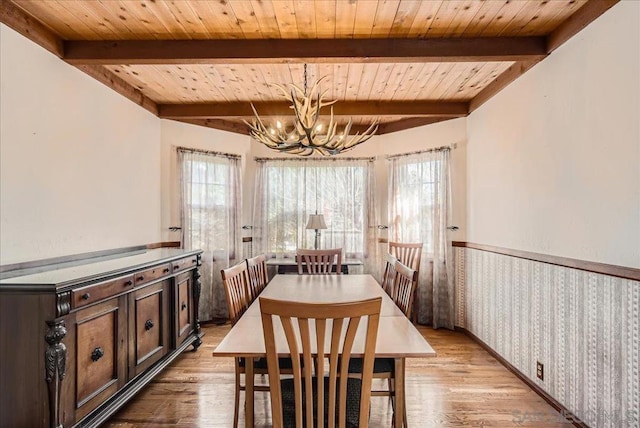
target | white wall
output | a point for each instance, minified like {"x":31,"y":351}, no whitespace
{"x":79,"y":163}
{"x":554,"y":159}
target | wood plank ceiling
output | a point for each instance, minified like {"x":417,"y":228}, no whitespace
{"x":405,"y":62}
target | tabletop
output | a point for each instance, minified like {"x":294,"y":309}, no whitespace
{"x":397,"y":336}
{"x":326,"y":289}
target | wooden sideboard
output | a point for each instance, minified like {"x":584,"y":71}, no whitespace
{"x":78,"y":340}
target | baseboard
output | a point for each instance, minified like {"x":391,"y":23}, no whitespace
{"x":568,"y":415}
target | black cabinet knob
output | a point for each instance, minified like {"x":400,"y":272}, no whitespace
{"x":183,"y":306}
{"x":86,"y":296}
{"x":128,"y":283}
{"x":148,"y":325}
{"x":166,"y":270}
{"x":97,"y":354}
{"x":140,"y":278}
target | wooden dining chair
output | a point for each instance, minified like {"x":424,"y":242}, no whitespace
{"x":319,"y":401}
{"x":408,"y":253}
{"x":404,"y":287}
{"x":404,"y":281}
{"x":258,"y":277}
{"x":234,"y":281}
{"x":389,"y":276}
{"x":236,"y":286}
{"x":319,"y":262}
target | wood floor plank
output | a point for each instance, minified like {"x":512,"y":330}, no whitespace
{"x":462,"y":386}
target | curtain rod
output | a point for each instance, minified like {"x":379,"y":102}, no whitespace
{"x":259,"y":159}
{"x":418,"y":152}
{"x":209,"y":152}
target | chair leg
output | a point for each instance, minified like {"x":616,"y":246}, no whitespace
{"x":392,"y":396}
{"x":236,"y":403}
{"x":404,"y":417}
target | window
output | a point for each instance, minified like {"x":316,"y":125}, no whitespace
{"x":416,"y":192}
{"x":207,"y":187}
{"x":211,"y":212}
{"x":420,"y":211}
{"x":290,"y":190}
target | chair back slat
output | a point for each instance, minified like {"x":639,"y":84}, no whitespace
{"x":301,"y":344}
{"x":408,"y":253}
{"x":389,"y":276}
{"x":319,"y":262}
{"x":404,"y":287}
{"x":258,"y":276}
{"x":235,"y":282}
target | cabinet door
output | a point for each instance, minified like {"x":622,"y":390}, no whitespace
{"x":184,"y":306}
{"x":149,"y":326}
{"x":100,"y":353}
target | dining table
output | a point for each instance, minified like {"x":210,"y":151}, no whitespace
{"x":397,"y":337}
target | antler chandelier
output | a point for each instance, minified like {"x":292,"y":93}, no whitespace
{"x":305,"y":135}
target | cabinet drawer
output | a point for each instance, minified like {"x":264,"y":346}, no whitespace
{"x":100,"y":354}
{"x":93,"y":293}
{"x":148,"y":275}
{"x":186,"y":263}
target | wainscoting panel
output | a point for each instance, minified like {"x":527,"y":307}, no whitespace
{"x":583,"y":327}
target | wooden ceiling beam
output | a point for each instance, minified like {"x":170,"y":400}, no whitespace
{"x":14,"y":17}
{"x":576,"y":22}
{"x":223,"y":125}
{"x":344,"y":108}
{"x":241,"y":128}
{"x":503,"y":80}
{"x":412,"y":122}
{"x":572,"y":25}
{"x":25,"y":24}
{"x":277,"y":51}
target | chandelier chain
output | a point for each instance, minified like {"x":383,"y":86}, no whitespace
{"x":305,"y":79}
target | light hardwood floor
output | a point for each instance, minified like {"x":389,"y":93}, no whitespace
{"x":462,"y":386}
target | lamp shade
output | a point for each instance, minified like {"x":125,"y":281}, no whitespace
{"x":316,"y":221}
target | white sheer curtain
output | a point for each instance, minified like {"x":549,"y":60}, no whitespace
{"x":211,"y":211}
{"x":419,"y":211}
{"x":343,"y":190}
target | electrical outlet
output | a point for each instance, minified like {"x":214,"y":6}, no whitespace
{"x":540,"y":370}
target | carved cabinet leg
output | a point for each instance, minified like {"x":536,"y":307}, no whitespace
{"x":55,"y":366}
{"x":197,"y":287}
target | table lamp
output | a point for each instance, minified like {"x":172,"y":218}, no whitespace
{"x":316,"y":222}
